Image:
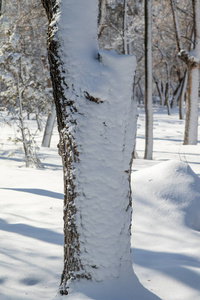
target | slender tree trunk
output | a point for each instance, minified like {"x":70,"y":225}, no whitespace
{"x":182,"y":96}
{"x":49,"y":127}
{"x":101,"y":17}
{"x":167,"y":90}
{"x":125,"y":42}
{"x":22,"y":126}
{"x":191,"y":122}
{"x":148,"y":83}
{"x":161,"y":91}
{"x":192,"y":60}
{"x":192,"y":100}
{"x":97,"y":127}
{"x":176,"y":26}
{"x":0,"y":7}
{"x":177,"y":94}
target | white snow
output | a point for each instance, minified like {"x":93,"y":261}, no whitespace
{"x":165,"y":231}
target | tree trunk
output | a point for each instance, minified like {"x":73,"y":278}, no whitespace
{"x":101,"y":17}
{"x":177,"y":93}
{"x":161,"y":90}
{"x":176,"y":26}
{"x":22,"y":126}
{"x":192,"y":100}
{"x":182,"y":96}
{"x":148,"y":83}
{"x":191,"y":122}
{"x":125,"y":42}
{"x":49,"y":127}
{"x":0,"y":7}
{"x":192,"y":60}
{"x":97,"y":125}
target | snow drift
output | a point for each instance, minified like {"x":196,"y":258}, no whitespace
{"x":174,"y":191}
{"x":165,"y":232}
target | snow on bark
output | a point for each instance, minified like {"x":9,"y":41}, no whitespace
{"x":97,"y":141}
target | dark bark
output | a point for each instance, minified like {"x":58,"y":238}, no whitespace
{"x":183,"y":95}
{"x":67,"y":150}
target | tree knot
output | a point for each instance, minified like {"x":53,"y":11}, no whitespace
{"x":91,"y":98}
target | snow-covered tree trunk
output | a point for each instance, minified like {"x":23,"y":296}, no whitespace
{"x":148,"y":83}
{"x":46,"y":141}
{"x":97,"y":125}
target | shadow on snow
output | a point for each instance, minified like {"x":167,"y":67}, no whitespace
{"x":40,"y":192}
{"x":174,"y":265}
{"x":41,"y":234}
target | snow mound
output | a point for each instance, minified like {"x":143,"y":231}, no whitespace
{"x":173,"y":190}
{"x":125,"y":287}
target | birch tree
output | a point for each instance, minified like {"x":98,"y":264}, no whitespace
{"x":46,"y":141}
{"x":125,"y":42}
{"x":96,"y":118}
{"x":101,"y":17}
{"x":148,"y":82}
{"x":191,"y":58}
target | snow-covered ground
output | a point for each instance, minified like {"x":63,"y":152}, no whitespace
{"x":166,"y":218}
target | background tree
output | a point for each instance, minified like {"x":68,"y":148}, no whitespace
{"x":191,"y":58}
{"x":26,"y":90}
{"x":148,"y":82}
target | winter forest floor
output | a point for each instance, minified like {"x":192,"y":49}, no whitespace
{"x":166,"y":216}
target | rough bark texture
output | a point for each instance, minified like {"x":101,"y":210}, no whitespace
{"x":67,"y":149}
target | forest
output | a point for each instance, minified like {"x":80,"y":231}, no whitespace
{"x":99,"y":149}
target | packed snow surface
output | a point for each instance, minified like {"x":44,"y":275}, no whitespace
{"x":165,"y":231}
